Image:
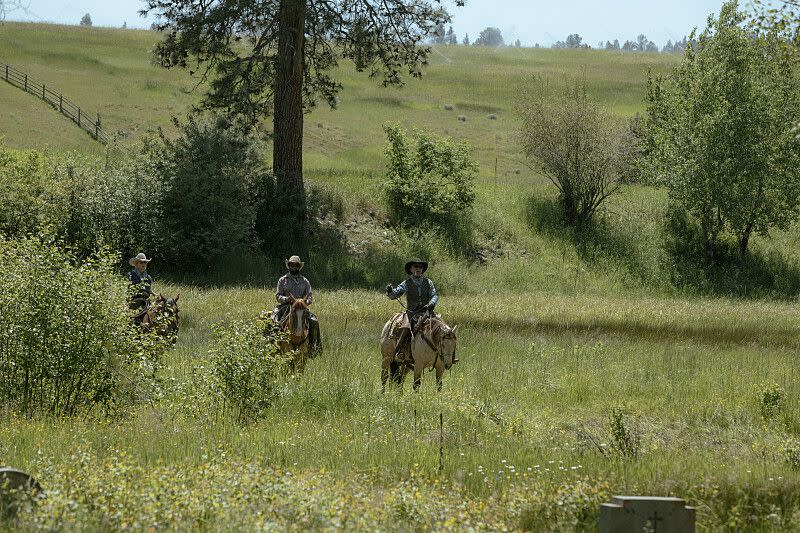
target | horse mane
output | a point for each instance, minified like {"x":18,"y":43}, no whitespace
{"x":438,"y":329}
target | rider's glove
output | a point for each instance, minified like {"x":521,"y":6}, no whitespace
{"x":389,"y":289}
{"x":429,"y":307}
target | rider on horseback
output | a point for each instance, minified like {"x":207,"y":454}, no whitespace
{"x":291,"y":286}
{"x":421,"y":299}
{"x":141,"y":285}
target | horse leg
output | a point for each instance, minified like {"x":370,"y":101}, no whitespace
{"x":417,"y":376}
{"x":385,"y":365}
{"x":439,"y":374}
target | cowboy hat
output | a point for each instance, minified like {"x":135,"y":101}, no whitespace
{"x":139,"y":257}
{"x":295,"y":259}
{"x":416,"y":261}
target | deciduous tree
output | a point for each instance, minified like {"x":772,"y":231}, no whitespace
{"x":719,"y":132}
{"x":574,"y":143}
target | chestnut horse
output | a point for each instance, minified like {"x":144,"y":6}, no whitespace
{"x":162,"y":316}
{"x":296,"y":326}
{"x":433,"y":346}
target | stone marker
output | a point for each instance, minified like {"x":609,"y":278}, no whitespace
{"x":15,"y":484}
{"x":646,"y":513}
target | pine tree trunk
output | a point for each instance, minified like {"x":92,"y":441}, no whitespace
{"x":288,"y":117}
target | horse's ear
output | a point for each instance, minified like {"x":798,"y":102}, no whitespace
{"x":178,"y":296}
{"x":455,"y":328}
{"x":160,"y":296}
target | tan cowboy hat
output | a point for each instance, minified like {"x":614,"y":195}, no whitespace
{"x":139,"y":257}
{"x":295,"y":259}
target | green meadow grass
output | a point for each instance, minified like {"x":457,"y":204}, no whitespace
{"x":529,"y":403}
{"x":557,"y":331}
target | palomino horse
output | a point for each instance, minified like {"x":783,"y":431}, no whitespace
{"x":296,"y":325}
{"x":433,"y":346}
{"x":162,"y":316}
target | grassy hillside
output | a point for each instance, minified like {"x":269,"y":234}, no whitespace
{"x":110,"y":71}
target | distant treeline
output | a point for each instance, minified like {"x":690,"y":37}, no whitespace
{"x":494,"y":37}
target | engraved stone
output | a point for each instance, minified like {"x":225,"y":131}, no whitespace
{"x":628,"y":514}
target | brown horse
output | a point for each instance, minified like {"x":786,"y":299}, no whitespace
{"x":297,"y":328}
{"x":162,"y":317}
{"x":433,"y":346}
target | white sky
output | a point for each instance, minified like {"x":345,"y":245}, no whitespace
{"x":531,"y":21}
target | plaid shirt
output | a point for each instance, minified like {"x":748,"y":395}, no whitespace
{"x":296,"y":286}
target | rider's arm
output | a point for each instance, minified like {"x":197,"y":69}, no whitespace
{"x":279,"y":292}
{"x":434,"y":297}
{"x":398,"y":291}
{"x":309,"y":297}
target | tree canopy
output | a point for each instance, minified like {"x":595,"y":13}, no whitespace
{"x":719,"y":132}
{"x":490,"y":37}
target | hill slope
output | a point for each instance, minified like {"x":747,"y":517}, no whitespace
{"x":110,"y":71}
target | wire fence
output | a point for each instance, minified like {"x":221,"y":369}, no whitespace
{"x":89,"y":123}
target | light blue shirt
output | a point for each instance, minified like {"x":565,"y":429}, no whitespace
{"x":402,"y":289}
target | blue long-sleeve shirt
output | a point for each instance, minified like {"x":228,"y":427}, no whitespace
{"x":402,"y":289}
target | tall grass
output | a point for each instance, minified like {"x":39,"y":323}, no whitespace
{"x":529,"y":405}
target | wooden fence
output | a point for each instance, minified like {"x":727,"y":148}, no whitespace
{"x":64,"y":106}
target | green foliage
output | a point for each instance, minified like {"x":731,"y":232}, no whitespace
{"x":791,"y":451}
{"x":66,"y":342}
{"x":214,"y":184}
{"x":429,"y":182}
{"x":625,"y":438}
{"x":82,"y":201}
{"x":772,"y":401}
{"x":720,"y":132}
{"x":574,"y":143}
{"x":246,"y":367}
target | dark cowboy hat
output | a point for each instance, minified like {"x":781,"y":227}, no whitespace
{"x":416,"y":261}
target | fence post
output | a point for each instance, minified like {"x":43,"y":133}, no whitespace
{"x":43,"y":98}
{"x":61,"y":103}
{"x":26,"y":83}
{"x":79,"y":116}
{"x":97,"y":126}
{"x":6,"y":72}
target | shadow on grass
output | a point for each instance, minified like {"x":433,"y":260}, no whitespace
{"x":759,"y":274}
{"x":608,"y":327}
{"x":595,"y":243}
{"x":681,"y":265}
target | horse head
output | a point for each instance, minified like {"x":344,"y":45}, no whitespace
{"x":298,"y":318}
{"x":448,"y":343}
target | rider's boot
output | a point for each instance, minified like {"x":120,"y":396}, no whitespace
{"x":315,"y":340}
{"x":402,"y":342}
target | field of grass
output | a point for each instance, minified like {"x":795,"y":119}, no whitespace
{"x":526,"y":415}
{"x":586,"y":370}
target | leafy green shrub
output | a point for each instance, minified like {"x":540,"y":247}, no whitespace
{"x":66,"y":342}
{"x":246,"y":366}
{"x":772,"y":400}
{"x":791,"y":452}
{"x":625,"y":439}
{"x":574,"y":143}
{"x":83,"y":202}
{"x":213,"y":185}
{"x":429,"y":183}
{"x":23,"y":182}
